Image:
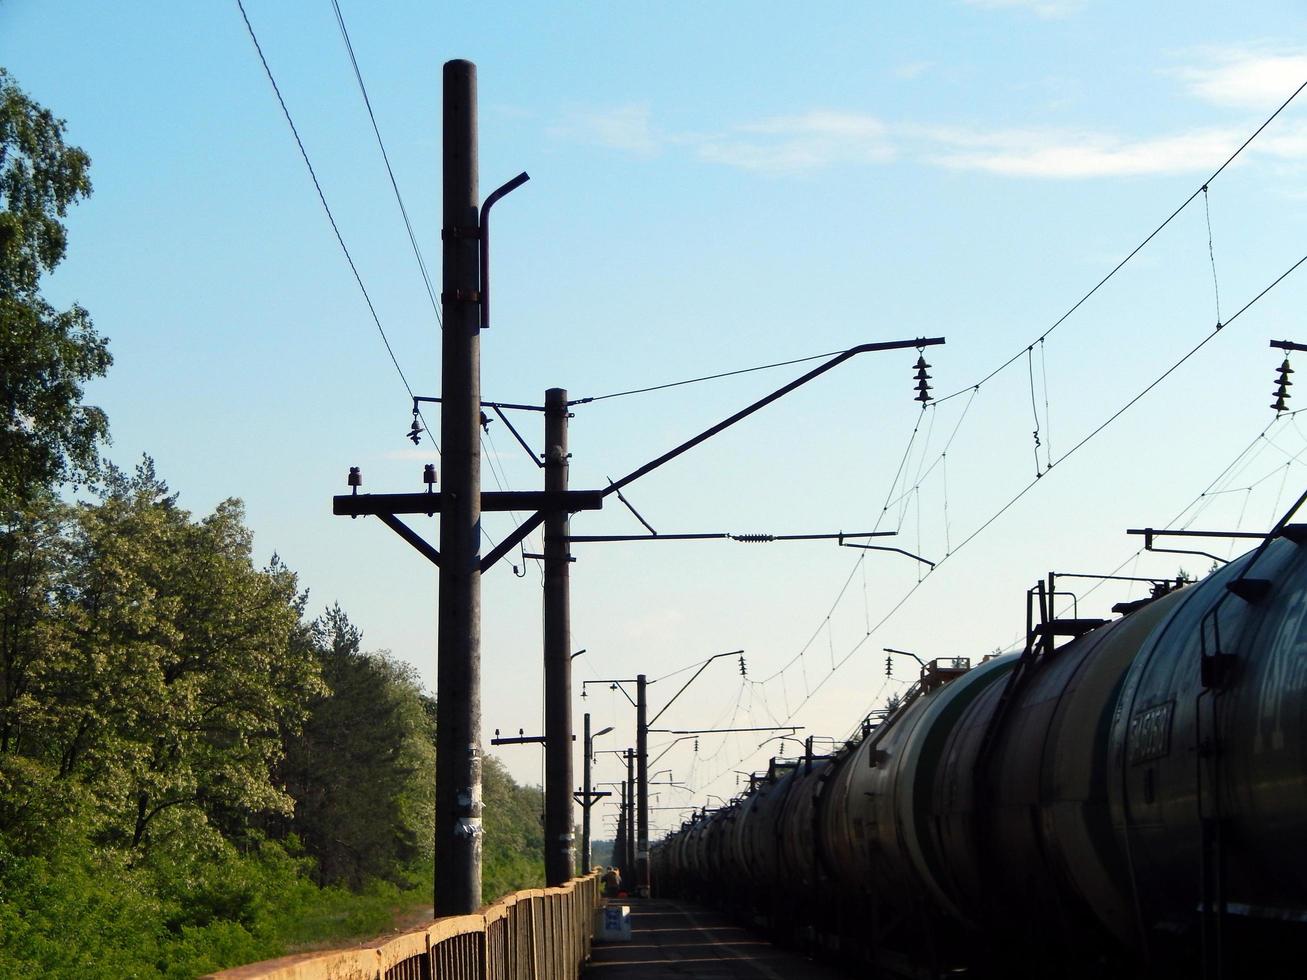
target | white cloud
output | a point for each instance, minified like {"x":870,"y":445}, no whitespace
{"x":1069,"y":155}
{"x":626,"y":128}
{"x":912,"y":69}
{"x":1246,"y":78}
{"x":824,"y":138}
{"x":810,"y":141}
{"x":1047,"y":9}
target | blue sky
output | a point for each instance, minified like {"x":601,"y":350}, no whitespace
{"x":713,"y":186}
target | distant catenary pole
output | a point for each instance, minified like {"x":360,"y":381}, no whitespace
{"x":585,"y":795}
{"x":642,"y":790}
{"x":629,"y":843}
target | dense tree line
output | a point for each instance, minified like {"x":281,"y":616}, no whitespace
{"x":194,"y":771}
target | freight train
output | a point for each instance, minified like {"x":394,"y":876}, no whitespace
{"x":1120,"y":798}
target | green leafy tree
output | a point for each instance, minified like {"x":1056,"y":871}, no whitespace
{"x":167,"y":673}
{"x":362,"y":770}
{"x":514,"y":856}
{"x":47,"y":435}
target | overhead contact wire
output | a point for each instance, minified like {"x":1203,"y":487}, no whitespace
{"x":1026,"y":489}
{"x":367,"y":102}
{"x":1138,"y":248}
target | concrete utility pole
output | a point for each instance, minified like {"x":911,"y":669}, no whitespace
{"x":630,"y":814}
{"x":458,"y":668}
{"x":619,"y":839}
{"x":588,"y":797}
{"x":642,"y":794}
{"x":560,"y":856}
{"x":585,"y":802}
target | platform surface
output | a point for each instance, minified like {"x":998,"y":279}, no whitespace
{"x":672,"y":939}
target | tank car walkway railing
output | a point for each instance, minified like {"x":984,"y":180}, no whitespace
{"x":673,"y":940}
{"x":537,"y":934}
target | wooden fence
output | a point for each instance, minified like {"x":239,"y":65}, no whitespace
{"x":537,"y":934}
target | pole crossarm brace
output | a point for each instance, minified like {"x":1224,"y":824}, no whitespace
{"x":767,"y":400}
{"x":412,"y":537}
{"x":617,"y":682}
{"x":387,"y":505}
{"x":498,"y":408}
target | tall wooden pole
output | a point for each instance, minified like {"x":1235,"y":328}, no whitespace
{"x":458,"y":668}
{"x":560,"y":854}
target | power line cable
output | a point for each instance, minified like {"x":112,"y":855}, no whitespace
{"x":790,"y":713}
{"x":1129,"y":404}
{"x":1138,"y":248}
{"x":417,"y":252}
{"x":326,"y":207}
{"x":707,"y":377}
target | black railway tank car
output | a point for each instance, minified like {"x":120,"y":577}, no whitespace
{"x":1132,"y":801}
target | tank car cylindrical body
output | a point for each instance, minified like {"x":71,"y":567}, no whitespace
{"x":800,"y":862}
{"x":759,"y":833}
{"x":869,"y":821}
{"x":1135,"y":795}
{"x":1023,"y":837}
{"x":1208,"y":777}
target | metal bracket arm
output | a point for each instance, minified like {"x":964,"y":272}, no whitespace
{"x":767,"y":400}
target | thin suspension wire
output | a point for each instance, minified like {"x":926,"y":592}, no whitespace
{"x":939,"y":459}
{"x":707,"y":377}
{"x":327,"y":208}
{"x":1211,"y":253}
{"x":862,"y":557}
{"x":915,"y":493}
{"x":1048,"y":425}
{"x":1026,"y":489}
{"x":412,"y":238}
{"x":1034,"y":409}
{"x":948,"y":546}
{"x":1138,"y":248}
{"x":907,"y":451}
